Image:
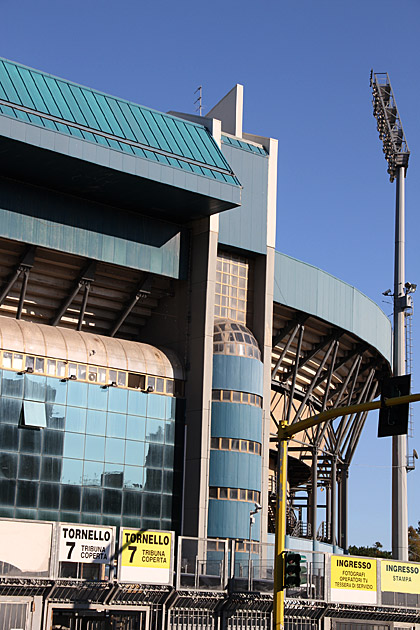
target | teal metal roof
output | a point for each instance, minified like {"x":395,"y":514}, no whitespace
{"x":246,"y":146}
{"x":53,"y":103}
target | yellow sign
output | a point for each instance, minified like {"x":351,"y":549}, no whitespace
{"x":353,"y":574}
{"x":400,"y":577}
{"x":145,"y":548}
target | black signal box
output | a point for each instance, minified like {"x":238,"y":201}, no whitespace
{"x":394,"y":420}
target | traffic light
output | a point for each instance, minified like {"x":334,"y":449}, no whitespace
{"x":394,"y":420}
{"x":303,"y":571}
{"x":291,"y":569}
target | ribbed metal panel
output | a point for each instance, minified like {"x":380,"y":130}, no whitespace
{"x":57,"y":104}
{"x":311,"y":290}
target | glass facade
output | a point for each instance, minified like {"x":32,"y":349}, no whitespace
{"x":106,"y":456}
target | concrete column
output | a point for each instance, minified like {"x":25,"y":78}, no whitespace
{"x":199,"y":376}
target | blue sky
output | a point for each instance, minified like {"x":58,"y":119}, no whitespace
{"x":305,"y":67}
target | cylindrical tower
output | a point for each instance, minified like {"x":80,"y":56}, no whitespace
{"x":236,"y":430}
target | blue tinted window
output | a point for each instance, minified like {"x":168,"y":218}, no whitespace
{"x":114,"y":450}
{"x":95,"y":448}
{"x":70,"y":498}
{"x":35,"y":387}
{"x":34,"y":414}
{"x":168,"y":457}
{"x":117,"y":400}
{"x":136,"y":428}
{"x":29,"y":467}
{"x":113,"y":476}
{"x":56,"y":391}
{"x":51,"y":469}
{"x":155,"y":430}
{"x":166,"y":506}
{"x":8,"y":465}
{"x":12,"y":384}
{"x":170,"y":433}
{"x":9,"y":437}
{"x":75,"y":419}
{"x":151,"y":505}
{"x":115,"y":425}
{"x":156,"y":406}
{"x":132,"y":503}
{"x":92,"y":500}
{"x":137,"y":402}
{"x":133,"y":477}
{"x":74,"y":445}
{"x":27,"y":494}
{"x":154,"y":455}
{"x":55,"y":416}
{"x":53,"y":442}
{"x":112,"y":502}
{"x":153,"y":480}
{"x":97,"y":397}
{"x":72,"y":471}
{"x":10,"y":409}
{"x":134,"y":453}
{"x":92,"y":473}
{"x":49,"y":496}
{"x":167,"y":481}
{"x":7,"y":491}
{"x":170,"y":408}
{"x":96,"y":422}
{"x":30,"y":440}
{"x":77,"y":394}
{"x":69,"y":517}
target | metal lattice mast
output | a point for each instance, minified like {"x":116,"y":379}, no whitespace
{"x":396,"y":154}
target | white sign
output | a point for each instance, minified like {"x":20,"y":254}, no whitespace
{"x":85,"y":543}
{"x":146,"y":556}
{"x":25,"y":547}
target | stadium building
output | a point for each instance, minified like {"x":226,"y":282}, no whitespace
{"x":151,"y":339}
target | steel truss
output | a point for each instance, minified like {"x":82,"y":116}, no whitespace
{"x":315,"y":367}
{"x":58,"y":289}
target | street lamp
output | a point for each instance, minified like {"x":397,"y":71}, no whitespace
{"x":397,"y":154}
{"x":258,"y":507}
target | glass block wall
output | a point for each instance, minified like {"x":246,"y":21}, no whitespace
{"x":106,"y":455}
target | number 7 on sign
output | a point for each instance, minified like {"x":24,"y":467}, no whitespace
{"x":72,"y":546}
{"x":133,"y":550}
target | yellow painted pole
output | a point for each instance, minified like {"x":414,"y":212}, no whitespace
{"x":280,"y":533}
{"x":284,"y":433}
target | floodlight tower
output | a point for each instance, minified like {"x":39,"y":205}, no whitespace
{"x":396,"y":154}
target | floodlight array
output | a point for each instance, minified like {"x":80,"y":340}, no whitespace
{"x":389,"y":124}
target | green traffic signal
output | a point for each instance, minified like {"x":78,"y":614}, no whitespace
{"x":291,"y":569}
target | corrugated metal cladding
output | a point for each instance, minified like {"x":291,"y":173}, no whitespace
{"x":246,"y":227}
{"x":311,"y":290}
{"x":60,"y":105}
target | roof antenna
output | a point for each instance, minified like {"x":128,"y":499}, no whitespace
{"x":199,"y":100}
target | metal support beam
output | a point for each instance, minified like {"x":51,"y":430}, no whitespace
{"x":88,"y":275}
{"x":292,"y":388}
{"x":285,"y":350}
{"x":143,"y":291}
{"x":299,"y":320}
{"x":86,"y":284}
{"x":307,"y":356}
{"x":23,"y":289}
{"x":25,"y":264}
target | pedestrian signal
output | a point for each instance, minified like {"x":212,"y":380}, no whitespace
{"x":291,"y":569}
{"x":394,"y":420}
